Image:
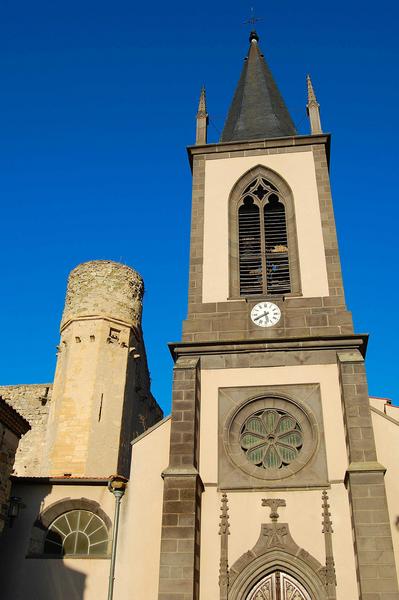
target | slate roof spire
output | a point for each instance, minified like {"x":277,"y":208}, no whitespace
{"x":258,"y":109}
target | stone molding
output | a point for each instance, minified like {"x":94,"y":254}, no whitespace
{"x":353,"y":343}
{"x":276,"y":550}
{"x":245,"y":148}
{"x":271,"y":400}
{"x":102,"y":317}
{"x":303,"y":402}
{"x":48,"y":516}
{"x":60,"y":507}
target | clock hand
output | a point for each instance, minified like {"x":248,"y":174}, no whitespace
{"x":260,"y":316}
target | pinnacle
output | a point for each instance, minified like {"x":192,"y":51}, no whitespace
{"x":311,"y":93}
{"x":202,"y":104}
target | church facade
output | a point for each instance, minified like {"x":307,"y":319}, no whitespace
{"x":276,"y":476}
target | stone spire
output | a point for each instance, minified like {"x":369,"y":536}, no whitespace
{"x":202,"y":119}
{"x":313,"y":109}
{"x":258,"y":109}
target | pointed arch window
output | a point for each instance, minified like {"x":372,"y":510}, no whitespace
{"x":264,"y":266}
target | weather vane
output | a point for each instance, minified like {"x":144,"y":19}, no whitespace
{"x":253,"y":19}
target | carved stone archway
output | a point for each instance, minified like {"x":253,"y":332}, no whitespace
{"x":276,"y":551}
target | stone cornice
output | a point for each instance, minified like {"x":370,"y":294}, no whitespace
{"x":40,"y":480}
{"x":101,"y":317}
{"x":233,"y":147}
{"x":343,"y":342}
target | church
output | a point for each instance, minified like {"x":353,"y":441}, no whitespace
{"x":276,"y":476}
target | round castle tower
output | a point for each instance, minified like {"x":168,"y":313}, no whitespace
{"x":106,"y":288}
{"x":97,"y":371}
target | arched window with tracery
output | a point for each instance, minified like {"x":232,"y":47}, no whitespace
{"x":263,"y":253}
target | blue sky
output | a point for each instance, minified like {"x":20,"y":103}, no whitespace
{"x":97,"y":106}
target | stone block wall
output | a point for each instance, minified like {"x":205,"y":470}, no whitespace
{"x":33,"y":403}
{"x":8,"y":447}
{"x":12,"y":427}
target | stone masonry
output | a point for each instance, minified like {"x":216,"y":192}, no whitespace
{"x":33,"y":403}
{"x":301,"y":317}
{"x":12,"y":427}
{"x":106,"y":288}
{"x":376,"y":569}
{"x":102,"y":385}
{"x":180,"y":541}
{"x":102,"y":373}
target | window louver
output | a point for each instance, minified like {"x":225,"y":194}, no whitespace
{"x":263,"y":242}
{"x":250,"y":249}
{"x":276,"y":247}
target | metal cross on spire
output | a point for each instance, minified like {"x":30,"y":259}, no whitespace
{"x":253,"y":19}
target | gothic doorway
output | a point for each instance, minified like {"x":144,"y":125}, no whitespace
{"x":278,"y":586}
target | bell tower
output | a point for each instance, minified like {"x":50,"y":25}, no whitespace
{"x":263,"y":223}
{"x":270,"y":391}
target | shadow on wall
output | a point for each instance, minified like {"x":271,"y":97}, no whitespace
{"x":34,"y":578}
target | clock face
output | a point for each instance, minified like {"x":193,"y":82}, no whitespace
{"x":265,"y":314}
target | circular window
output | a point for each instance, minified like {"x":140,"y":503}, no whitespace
{"x":271,"y":439}
{"x":77,"y":532}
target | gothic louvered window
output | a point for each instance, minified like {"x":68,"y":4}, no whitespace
{"x":263,"y":241}
{"x":250,"y":242}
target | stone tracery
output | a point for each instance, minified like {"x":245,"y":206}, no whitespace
{"x":271,"y":439}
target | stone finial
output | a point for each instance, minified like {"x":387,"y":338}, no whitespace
{"x":273,"y":504}
{"x":202,"y":119}
{"x":313,"y":108}
{"x":224,"y":532}
{"x":104,"y":288}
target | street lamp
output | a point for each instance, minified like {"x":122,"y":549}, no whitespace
{"x":117,"y":486}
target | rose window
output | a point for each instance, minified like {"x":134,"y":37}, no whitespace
{"x":271,"y":439}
